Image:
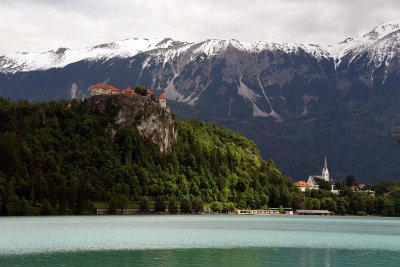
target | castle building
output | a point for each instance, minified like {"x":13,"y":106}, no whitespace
{"x":128,"y":91}
{"x":149,"y":92}
{"x":103,"y":89}
{"x":163,"y":101}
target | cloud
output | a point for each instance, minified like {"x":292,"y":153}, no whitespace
{"x":39,"y":25}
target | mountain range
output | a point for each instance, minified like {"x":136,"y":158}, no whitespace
{"x":298,"y":102}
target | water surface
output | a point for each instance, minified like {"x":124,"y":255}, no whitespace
{"x":199,"y":241}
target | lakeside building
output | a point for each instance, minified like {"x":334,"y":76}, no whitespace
{"x":117,"y":211}
{"x":271,"y":211}
{"x":312,"y":212}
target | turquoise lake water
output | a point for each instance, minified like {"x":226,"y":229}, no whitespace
{"x":199,"y":241}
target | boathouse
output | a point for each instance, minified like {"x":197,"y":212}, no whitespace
{"x":312,"y":212}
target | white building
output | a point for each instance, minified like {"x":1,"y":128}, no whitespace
{"x":314,"y":180}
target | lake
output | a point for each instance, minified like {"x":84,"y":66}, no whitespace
{"x":203,"y":240}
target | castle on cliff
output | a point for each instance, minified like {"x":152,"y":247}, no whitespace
{"x":106,"y":89}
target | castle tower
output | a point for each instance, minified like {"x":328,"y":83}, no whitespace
{"x":163,"y":101}
{"x":325,"y":172}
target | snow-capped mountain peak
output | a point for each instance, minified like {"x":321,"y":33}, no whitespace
{"x":383,"y":30}
{"x":61,"y":57}
{"x":380,"y":41}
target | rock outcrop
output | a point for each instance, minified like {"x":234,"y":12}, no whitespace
{"x":152,"y":122}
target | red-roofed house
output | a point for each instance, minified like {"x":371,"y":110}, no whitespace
{"x":302,"y":185}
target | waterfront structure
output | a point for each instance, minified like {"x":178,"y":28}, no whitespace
{"x":312,"y":212}
{"x":271,"y":211}
{"x":117,"y":211}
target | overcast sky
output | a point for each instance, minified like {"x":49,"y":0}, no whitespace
{"x":41,"y":25}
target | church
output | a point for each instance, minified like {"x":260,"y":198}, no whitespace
{"x":314,"y":180}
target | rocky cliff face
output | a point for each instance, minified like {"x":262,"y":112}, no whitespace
{"x":153,"y":123}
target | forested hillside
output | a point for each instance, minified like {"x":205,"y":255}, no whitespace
{"x":61,"y":157}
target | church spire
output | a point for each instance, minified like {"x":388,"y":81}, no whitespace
{"x":325,"y":172}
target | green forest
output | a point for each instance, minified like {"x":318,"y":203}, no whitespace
{"x":60,"y":158}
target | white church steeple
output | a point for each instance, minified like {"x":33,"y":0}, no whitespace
{"x":325,"y":172}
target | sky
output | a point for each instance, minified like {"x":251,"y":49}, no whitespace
{"x":42,"y":25}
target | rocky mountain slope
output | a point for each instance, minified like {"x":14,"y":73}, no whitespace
{"x":298,"y":102}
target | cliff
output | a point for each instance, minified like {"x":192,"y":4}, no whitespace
{"x":152,"y":122}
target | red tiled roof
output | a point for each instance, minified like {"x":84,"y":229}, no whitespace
{"x":128,"y":91}
{"x":104,"y":86}
{"x":162,"y":96}
{"x":301,"y":184}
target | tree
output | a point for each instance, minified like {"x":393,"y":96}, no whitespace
{"x":216,"y":206}
{"x":186,"y":205}
{"x":389,"y":208}
{"x":341,"y":206}
{"x":297,"y":201}
{"x":325,"y":185}
{"x":316,"y":204}
{"x":112,"y":209}
{"x":159,"y":205}
{"x":45,"y":208}
{"x":197,"y":205}
{"x":121,"y":202}
{"x":173,"y":206}
{"x":350,"y":180}
{"x":357,"y":203}
{"x":13,"y":205}
{"x":281,"y":210}
{"x":144,"y":206}
{"x":228,"y":207}
{"x":328,"y":203}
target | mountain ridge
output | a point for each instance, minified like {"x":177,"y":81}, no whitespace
{"x":126,"y":48}
{"x":296,"y":106}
